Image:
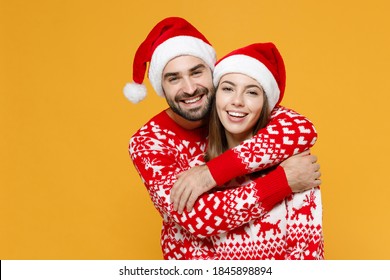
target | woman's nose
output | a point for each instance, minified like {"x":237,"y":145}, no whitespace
{"x":237,"y":99}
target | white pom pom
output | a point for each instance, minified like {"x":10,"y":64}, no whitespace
{"x":134,"y":92}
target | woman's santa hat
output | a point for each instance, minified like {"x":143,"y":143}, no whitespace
{"x":170,"y":38}
{"x":262,"y":62}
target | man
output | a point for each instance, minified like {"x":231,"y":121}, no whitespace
{"x":180,"y":69}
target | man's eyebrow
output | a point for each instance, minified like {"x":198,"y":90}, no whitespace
{"x":170,"y":74}
{"x":197,"y":67}
{"x":200,"y":66}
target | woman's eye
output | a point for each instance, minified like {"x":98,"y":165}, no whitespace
{"x":227,"y":89}
{"x":253,"y":91}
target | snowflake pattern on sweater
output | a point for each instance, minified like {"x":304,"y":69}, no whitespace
{"x":161,"y":149}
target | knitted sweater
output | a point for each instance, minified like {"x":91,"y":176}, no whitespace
{"x":291,"y":230}
{"x":161,"y":149}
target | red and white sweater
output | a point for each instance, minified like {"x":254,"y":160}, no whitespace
{"x":161,"y":149}
{"x":291,"y":230}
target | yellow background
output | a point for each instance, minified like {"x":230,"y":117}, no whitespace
{"x":68,"y":187}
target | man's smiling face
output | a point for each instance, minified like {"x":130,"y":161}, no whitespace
{"x":188,"y":87}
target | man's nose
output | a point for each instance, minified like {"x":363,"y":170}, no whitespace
{"x":189,"y":86}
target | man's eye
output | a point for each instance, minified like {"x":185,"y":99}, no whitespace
{"x":197,"y":73}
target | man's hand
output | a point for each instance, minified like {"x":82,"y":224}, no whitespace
{"x":189,"y":186}
{"x":302,"y":171}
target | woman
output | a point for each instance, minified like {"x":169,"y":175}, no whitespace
{"x":250,"y":82}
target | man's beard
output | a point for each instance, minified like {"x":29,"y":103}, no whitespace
{"x":194,"y":114}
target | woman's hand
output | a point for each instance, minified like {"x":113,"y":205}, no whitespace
{"x":189,"y":186}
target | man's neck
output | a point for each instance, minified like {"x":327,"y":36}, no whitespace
{"x":184,"y":123}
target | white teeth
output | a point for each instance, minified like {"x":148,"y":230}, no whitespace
{"x":237,"y":114}
{"x":189,"y":101}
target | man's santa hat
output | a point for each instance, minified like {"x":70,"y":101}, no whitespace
{"x":170,"y":38}
{"x":262,"y":62}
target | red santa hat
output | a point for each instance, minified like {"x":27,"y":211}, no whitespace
{"x":262,"y":62}
{"x":170,"y":38}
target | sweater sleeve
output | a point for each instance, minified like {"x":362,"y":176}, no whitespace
{"x":213,"y":213}
{"x":288,"y":133}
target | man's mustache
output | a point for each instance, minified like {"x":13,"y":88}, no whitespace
{"x":197,"y":92}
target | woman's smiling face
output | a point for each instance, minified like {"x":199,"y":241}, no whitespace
{"x":239,"y":101}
